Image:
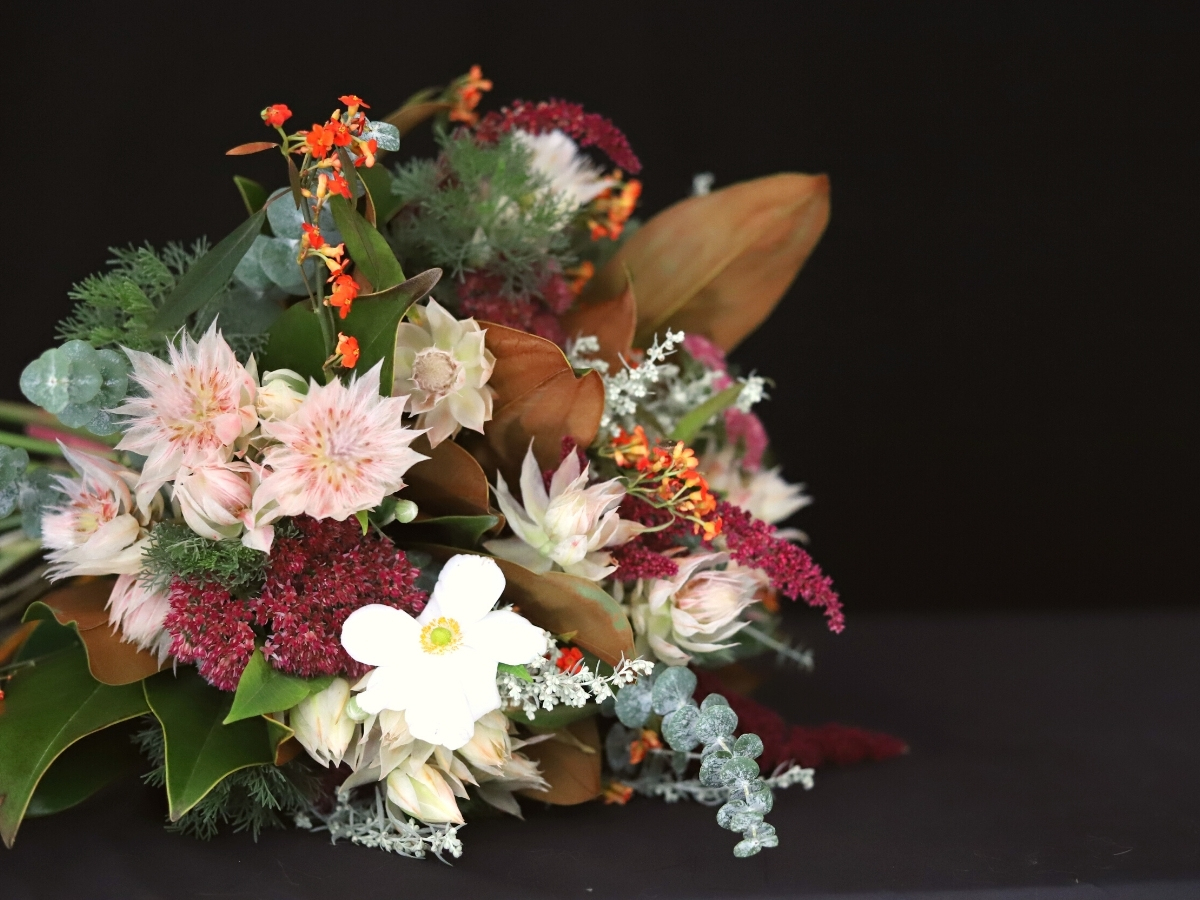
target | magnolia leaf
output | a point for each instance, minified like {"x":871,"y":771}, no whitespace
{"x":612,"y":322}
{"x":208,"y":275}
{"x":82,"y":606}
{"x":200,"y":749}
{"x":373,"y":319}
{"x":282,"y":739}
{"x":366,"y":246}
{"x":251,"y":147}
{"x":264,"y":689}
{"x":523,"y":362}
{"x":691,"y":423}
{"x":448,"y":483}
{"x":562,"y":604}
{"x":559,"y":717}
{"x":570,"y":762}
{"x":409,"y":116}
{"x":11,"y":644}
{"x":253,"y":194}
{"x":718,"y":264}
{"x":47,"y":708}
{"x":294,"y":342}
{"x":84,"y":768}
{"x":454,"y":531}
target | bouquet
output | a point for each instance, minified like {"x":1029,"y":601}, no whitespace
{"x":428,"y":488}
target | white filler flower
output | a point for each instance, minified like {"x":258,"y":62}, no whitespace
{"x":440,"y":668}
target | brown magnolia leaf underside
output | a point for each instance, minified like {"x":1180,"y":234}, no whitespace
{"x":406,"y":118}
{"x":718,"y":264}
{"x":612,"y":322}
{"x":523,"y":361}
{"x":566,"y":763}
{"x":449,"y":483}
{"x":110,"y":659}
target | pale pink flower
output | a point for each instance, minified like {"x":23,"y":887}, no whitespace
{"x":342,"y":451}
{"x":443,"y":366}
{"x":216,"y":502}
{"x":97,"y":530}
{"x":138,"y":612}
{"x":764,"y":493}
{"x":197,"y":405}
{"x":570,"y":526}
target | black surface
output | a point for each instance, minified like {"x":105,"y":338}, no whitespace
{"x":1048,"y":751}
{"x":986,"y":373}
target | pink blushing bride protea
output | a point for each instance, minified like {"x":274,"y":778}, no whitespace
{"x":343,"y":450}
{"x":138,"y":612}
{"x":198,"y":404}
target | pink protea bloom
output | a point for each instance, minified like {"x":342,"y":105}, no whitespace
{"x":138,"y":612}
{"x":197,"y":405}
{"x":97,"y":530}
{"x":342,"y":451}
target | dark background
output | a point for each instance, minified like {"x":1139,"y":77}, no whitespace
{"x":984,"y":372}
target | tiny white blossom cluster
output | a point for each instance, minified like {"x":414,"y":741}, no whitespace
{"x":373,"y":824}
{"x":551,"y":686}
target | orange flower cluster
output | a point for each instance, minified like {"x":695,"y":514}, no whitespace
{"x":466,"y":93}
{"x":668,"y":479}
{"x":611,"y":210}
{"x":347,"y":349}
{"x":617,"y":793}
{"x":341,"y":131}
{"x":639,"y":747}
{"x":569,"y":659}
{"x":580,"y":276}
{"x":345,"y":288}
{"x":276,"y":114}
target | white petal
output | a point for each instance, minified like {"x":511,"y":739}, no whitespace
{"x":516,"y":550}
{"x":389,"y":687}
{"x":469,"y":408}
{"x":506,"y":637}
{"x":533,"y":489}
{"x":477,"y":674}
{"x":377,"y":635}
{"x":440,"y":713}
{"x":467,"y":588}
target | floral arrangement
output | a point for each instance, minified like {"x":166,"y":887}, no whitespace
{"x":372,"y":552}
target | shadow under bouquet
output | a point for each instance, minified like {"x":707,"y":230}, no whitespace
{"x":428,"y":488}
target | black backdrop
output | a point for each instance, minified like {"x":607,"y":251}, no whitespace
{"x":984,"y":371}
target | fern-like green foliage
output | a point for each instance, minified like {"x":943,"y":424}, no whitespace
{"x":479,"y":207}
{"x":175,"y":550}
{"x":250,"y":799}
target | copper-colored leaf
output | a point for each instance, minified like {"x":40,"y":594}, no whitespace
{"x":613,"y":322}
{"x":252,"y":147}
{"x":408,"y":117}
{"x":449,"y":483}
{"x":523,"y":361}
{"x":570,"y":762}
{"x":562,"y":604}
{"x":719,"y":263}
{"x":110,"y":659}
{"x":11,"y":644}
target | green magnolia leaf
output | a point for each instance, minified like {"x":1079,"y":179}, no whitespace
{"x":294,"y":342}
{"x":83,"y":768}
{"x":264,"y":689}
{"x":47,"y":637}
{"x":553,"y":719}
{"x":48,"y":707}
{"x":201,"y":750}
{"x":373,"y":320}
{"x":366,"y":246}
{"x":254,"y":195}
{"x":208,"y":276}
{"x":689,"y":426}
{"x":379,"y":184}
{"x":455,"y":531}
{"x":519,"y":671}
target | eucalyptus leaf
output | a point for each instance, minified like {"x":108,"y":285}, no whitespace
{"x":715,"y":723}
{"x":386,"y":135}
{"x":673,"y":689}
{"x":678,"y":728}
{"x":748,"y":745}
{"x":264,"y":689}
{"x":13,"y":462}
{"x":634,"y":704}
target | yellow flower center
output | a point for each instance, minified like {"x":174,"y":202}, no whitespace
{"x":442,"y":635}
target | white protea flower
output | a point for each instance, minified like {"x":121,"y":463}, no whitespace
{"x":574,"y":180}
{"x":98,"y":530}
{"x":323,"y":724}
{"x":138,"y":612}
{"x":342,"y":451}
{"x":497,"y":768}
{"x":569,"y":526}
{"x":215,"y":500}
{"x":696,"y":611}
{"x":424,"y":792}
{"x":443,"y":366}
{"x":764,"y":494}
{"x":197,"y":406}
{"x":281,"y":394}
{"x":440,"y":668}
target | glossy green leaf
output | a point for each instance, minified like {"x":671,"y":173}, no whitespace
{"x":201,"y":750}
{"x":455,"y":531}
{"x":84,"y":768}
{"x":373,"y":320}
{"x":253,"y":194}
{"x":209,"y":275}
{"x":691,"y":423}
{"x":294,"y":342}
{"x":48,"y":637}
{"x":48,"y":707}
{"x":379,"y":183}
{"x":519,"y":671}
{"x":366,"y":246}
{"x":264,"y":689}
{"x":553,"y":719}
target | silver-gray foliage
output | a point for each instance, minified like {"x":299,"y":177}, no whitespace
{"x":79,"y":384}
{"x":13,"y":463}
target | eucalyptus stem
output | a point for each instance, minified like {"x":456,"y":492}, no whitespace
{"x":27,"y":443}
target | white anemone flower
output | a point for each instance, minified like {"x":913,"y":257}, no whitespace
{"x":443,"y":367}
{"x":570,"y":526}
{"x":342,"y":451}
{"x":139,"y":612}
{"x":198,"y":404}
{"x":574,"y":180}
{"x":696,"y":611}
{"x":440,"y":668}
{"x":98,"y":530}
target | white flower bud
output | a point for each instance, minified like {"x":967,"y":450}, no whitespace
{"x":322,"y":723}
{"x":422,"y":792}
{"x":281,"y":394}
{"x":215,"y":500}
